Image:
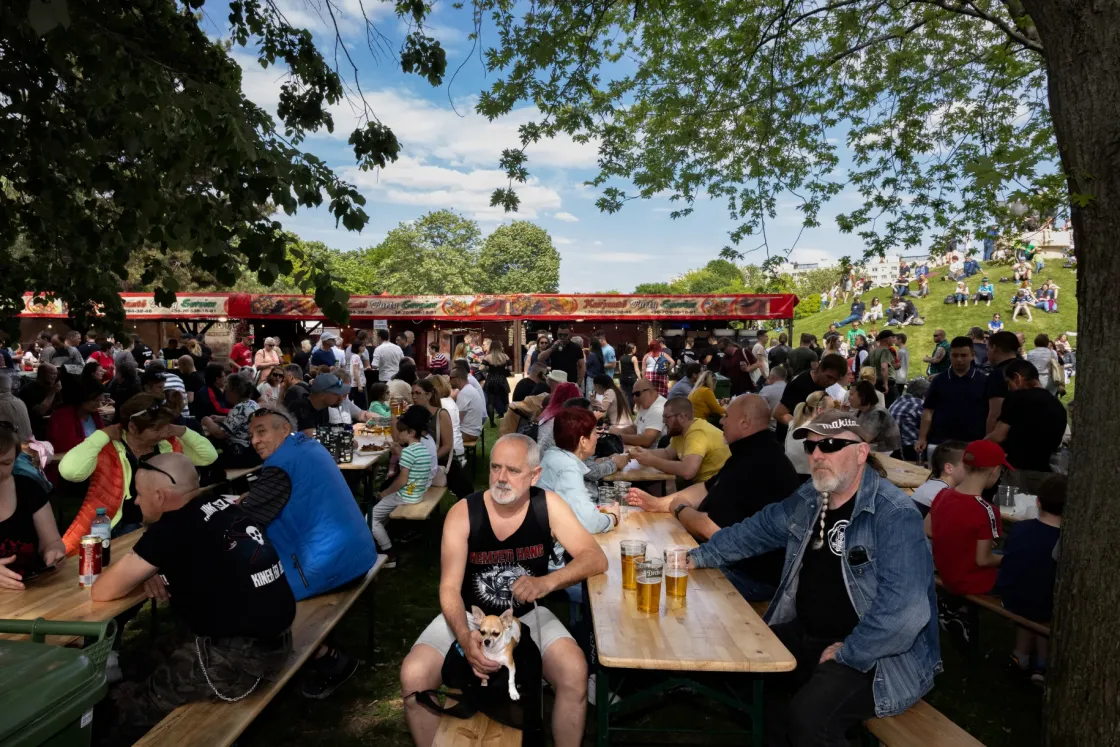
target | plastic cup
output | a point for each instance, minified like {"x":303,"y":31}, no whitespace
{"x":633,"y":552}
{"x":649,"y":575}
{"x":676,"y":571}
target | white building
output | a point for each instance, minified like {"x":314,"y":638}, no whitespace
{"x":882,"y":271}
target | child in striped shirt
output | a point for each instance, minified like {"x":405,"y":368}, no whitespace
{"x":411,"y":482}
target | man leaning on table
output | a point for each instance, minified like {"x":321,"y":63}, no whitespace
{"x":648,"y":425}
{"x":757,"y":474}
{"x":696,"y":449}
{"x":227,"y":590}
{"x":856,"y":604}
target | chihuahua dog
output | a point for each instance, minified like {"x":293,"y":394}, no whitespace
{"x":500,"y":636}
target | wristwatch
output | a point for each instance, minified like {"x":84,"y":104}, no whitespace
{"x":679,"y":507}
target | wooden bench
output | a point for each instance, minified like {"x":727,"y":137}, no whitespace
{"x":216,"y":724}
{"x":477,"y":731}
{"x":472,"y":447}
{"x":921,"y":725}
{"x":992,"y":604}
{"x":427,"y":509}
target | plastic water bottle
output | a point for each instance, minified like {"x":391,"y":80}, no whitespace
{"x":102,"y":527}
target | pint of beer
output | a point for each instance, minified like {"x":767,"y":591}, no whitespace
{"x":676,"y":571}
{"x":649,"y":574}
{"x":633,"y":552}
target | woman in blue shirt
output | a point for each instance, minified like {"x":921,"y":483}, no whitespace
{"x":986,"y":292}
{"x":996,"y":324}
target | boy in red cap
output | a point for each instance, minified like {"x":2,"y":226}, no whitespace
{"x":964,"y":527}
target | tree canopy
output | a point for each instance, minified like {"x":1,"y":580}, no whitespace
{"x":519,"y":258}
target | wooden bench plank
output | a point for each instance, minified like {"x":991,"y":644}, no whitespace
{"x":217,"y":724}
{"x":422,"y":509}
{"x":477,"y":731}
{"x":922,"y":725}
{"x":992,"y":604}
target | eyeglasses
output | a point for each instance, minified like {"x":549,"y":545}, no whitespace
{"x":828,"y":445}
{"x":144,"y":465}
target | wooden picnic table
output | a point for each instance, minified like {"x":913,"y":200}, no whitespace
{"x":714,"y":630}
{"x":57,"y":596}
{"x":903,"y":474}
{"x":646,"y":474}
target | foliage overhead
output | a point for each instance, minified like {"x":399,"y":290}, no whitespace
{"x":519,"y":258}
{"x":943,"y":105}
{"x":125,"y":128}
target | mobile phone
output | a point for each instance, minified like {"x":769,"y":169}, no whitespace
{"x":34,"y":574}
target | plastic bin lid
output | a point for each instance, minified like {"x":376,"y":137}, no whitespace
{"x":39,"y":683}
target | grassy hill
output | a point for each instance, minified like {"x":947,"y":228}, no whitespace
{"x":957,"y":321}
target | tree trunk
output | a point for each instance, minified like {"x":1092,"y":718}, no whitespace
{"x":1082,"y":43}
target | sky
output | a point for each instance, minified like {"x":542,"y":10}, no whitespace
{"x":449,"y":159}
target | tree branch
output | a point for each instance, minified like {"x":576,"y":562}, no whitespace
{"x":974,"y":12}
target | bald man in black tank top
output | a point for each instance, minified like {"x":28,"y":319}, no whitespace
{"x":495,"y":554}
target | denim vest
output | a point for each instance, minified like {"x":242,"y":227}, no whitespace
{"x":321,"y":537}
{"x":892,"y":591}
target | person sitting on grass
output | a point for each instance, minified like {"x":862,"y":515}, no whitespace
{"x":964,"y":529}
{"x":225,"y":583}
{"x":996,"y":324}
{"x":856,"y":315}
{"x":413,"y":478}
{"x":1026,"y":577}
{"x":529,"y":520}
{"x":302,"y":501}
{"x":945,"y":471}
{"x":961,"y":296}
{"x":874,"y":312}
{"x":1023,"y":301}
{"x":986,"y":292}
{"x":696,"y":449}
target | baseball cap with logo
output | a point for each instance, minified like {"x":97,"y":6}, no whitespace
{"x":328,"y":383}
{"x":831,"y":423}
{"x":983,"y":454}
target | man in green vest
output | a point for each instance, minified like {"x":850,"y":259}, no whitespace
{"x":938,"y":360}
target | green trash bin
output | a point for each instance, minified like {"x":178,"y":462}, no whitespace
{"x":723,"y":387}
{"x":48,"y":692}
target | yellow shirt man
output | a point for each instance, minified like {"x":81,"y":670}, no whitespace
{"x":706,"y":440}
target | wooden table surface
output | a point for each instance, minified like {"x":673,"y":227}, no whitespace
{"x":645,"y":474}
{"x":233,"y":474}
{"x":58,"y":597}
{"x":715,"y":630}
{"x":365,"y":461}
{"x":903,"y":474}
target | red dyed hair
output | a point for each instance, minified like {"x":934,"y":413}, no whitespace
{"x":572,"y":424}
{"x":556,"y":400}
{"x":654,"y":348}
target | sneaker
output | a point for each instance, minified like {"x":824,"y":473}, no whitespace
{"x":113,"y":672}
{"x":390,"y":559}
{"x":323,"y":676}
{"x":1039,"y":678}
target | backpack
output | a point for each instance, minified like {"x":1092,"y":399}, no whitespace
{"x":661,"y":365}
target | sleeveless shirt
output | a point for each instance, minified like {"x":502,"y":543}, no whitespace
{"x":493,"y":565}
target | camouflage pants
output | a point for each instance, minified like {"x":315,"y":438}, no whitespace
{"x":179,"y":670}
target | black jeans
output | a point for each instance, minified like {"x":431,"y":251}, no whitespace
{"x":815,"y":704}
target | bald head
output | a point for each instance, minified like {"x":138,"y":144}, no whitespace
{"x":178,"y":466}
{"x":169,"y":485}
{"x":746,"y":416}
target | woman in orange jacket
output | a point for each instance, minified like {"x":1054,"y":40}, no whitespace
{"x":109,"y":459}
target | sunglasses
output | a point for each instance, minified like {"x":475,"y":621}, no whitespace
{"x":144,"y":465}
{"x":828,"y":445}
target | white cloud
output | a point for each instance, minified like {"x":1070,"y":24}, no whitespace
{"x":350,"y":15}
{"x":597,"y":243}
{"x":622,"y":257}
{"x":426,"y":129}
{"x":566,"y":217}
{"x":806,"y":255}
{"x":562,"y":240}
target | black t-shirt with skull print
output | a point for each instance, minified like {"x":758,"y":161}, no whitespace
{"x":493,"y":565}
{"x":824,"y":608}
{"x":224,"y":577}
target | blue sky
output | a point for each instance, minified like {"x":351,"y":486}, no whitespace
{"x":449,"y":159}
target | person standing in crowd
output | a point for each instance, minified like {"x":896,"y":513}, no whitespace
{"x":323,"y":356}
{"x":979,"y":349}
{"x":828,"y":372}
{"x":1032,"y":422}
{"x":779,"y":354}
{"x":610,"y":361}
{"x":302,"y":357}
{"x":1025,"y":584}
{"x":649,"y":421}
{"x":1003,"y":348}
{"x":861,"y":652}
{"x":902,"y":374}
{"x":907,"y":413}
{"x":86,"y":348}
{"x":472,"y":407}
{"x":110,"y":458}
{"x":656,"y":364}
{"x":737,"y":364}
{"x":955,"y":406}
{"x":690,"y":372}
{"x":387,"y":357}
{"x":438,"y":364}
{"x":495,"y":366}
{"x":267,"y":357}
{"x":882,"y":361}
{"x":628,"y":372}
{"x":241,"y":354}
{"x":223,"y":586}
{"x":564,"y":355}
{"x":775,"y":387}
{"x":408,"y":349}
{"x":756,"y":459}
{"x":593,"y":365}
{"x":307,"y":511}
{"x":355,"y":367}
{"x":528,"y":518}
{"x":696,"y":449}
{"x":801,"y":358}
{"x":760,"y":374}
{"x":41,"y":397}
{"x":1045,"y":362}
{"x":945,"y":471}
{"x":938,"y":360}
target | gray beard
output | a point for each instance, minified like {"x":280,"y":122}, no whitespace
{"x":503,"y":495}
{"x":827,"y":483}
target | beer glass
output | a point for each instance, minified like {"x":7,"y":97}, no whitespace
{"x":633,"y":552}
{"x":607,"y":502}
{"x":676,"y":571}
{"x":649,"y":573}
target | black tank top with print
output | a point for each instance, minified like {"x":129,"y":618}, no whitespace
{"x":493,"y":565}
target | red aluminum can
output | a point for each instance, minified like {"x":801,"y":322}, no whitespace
{"x":89,"y":560}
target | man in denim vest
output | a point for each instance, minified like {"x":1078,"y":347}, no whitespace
{"x":856,"y":604}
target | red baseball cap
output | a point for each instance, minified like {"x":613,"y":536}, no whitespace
{"x":984,"y":453}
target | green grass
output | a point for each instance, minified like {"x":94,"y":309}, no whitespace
{"x":996,"y":705}
{"x":957,"y":321}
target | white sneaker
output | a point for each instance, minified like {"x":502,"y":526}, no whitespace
{"x":113,"y":672}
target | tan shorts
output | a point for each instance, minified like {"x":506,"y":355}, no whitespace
{"x":438,"y":634}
